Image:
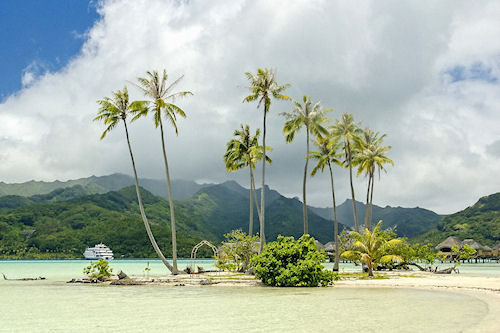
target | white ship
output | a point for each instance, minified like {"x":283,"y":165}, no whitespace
{"x":99,"y":251}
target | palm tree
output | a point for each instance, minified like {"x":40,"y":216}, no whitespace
{"x":326,"y":155}
{"x":262,"y":87}
{"x":244,"y":151}
{"x":371,"y":155}
{"x":156,"y":88}
{"x":311,"y":117}
{"x":347,"y":129}
{"x":111,"y":111}
{"x":372,"y":248}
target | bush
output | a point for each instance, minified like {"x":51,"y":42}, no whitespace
{"x":99,"y":270}
{"x":235,"y":253}
{"x":292,"y":263}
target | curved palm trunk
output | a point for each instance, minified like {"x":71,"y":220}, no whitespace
{"x":262,"y":190}
{"x":367,"y":206}
{"x":250,"y":223}
{"x":141,"y":208}
{"x":356,"y":225}
{"x":371,"y":202}
{"x":335,"y":224}
{"x":171,"y":203}
{"x":254,"y":192}
{"x":304,"y":209}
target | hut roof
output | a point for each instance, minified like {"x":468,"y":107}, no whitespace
{"x":330,"y":247}
{"x":319,"y":245}
{"x":472,"y":243}
{"x":487,"y":248}
{"x":496,"y":247}
{"x":448,"y":243}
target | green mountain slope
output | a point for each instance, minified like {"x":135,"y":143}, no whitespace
{"x":56,"y":225}
{"x":407,"y":222}
{"x":181,"y":189}
{"x":480,"y":222}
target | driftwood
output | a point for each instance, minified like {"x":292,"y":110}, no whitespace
{"x":83,"y":281}
{"x":24,"y":279}
{"x":447,"y":270}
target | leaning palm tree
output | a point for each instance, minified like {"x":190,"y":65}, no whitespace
{"x":156,"y":88}
{"x":311,"y":117}
{"x":371,"y":156}
{"x":372,"y":248}
{"x":263,"y":87}
{"x":347,"y":129}
{"x":327,"y":154}
{"x":244,"y":151}
{"x":111,"y":111}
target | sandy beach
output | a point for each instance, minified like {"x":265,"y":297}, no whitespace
{"x":484,"y":288}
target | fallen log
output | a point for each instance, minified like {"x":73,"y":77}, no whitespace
{"x":447,"y":270}
{"x":24,"y":279}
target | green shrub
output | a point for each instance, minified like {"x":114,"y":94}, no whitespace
{"x":99,"y":270}
{"x":237,"y":251}
{"x":292,"y":263}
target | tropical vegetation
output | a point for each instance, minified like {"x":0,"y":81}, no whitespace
{"x":311,"y":116}
{"x":244,"y":151}
{"x":98,"y":270}
{"x":287,"y":262}
{"x":263,"y":87}
{"x":162,"y":97}
{"x":372,"y":247}
{"x":112,"y":111}
{"x":326,"y":155}
{"x":237,"y":251}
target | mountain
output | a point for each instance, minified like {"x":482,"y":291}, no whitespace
{"x":480,"y":221}
{"x":407,"y":222}
{"x":181,"y":189}
{"x":59,"y":225}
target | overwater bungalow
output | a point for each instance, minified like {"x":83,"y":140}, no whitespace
{"x":446,"y":245}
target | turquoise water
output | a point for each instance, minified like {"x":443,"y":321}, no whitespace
{"x":64,"y":270}
{"x":51,"y":305}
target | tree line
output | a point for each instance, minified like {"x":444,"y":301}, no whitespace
{"x":342,"y":144}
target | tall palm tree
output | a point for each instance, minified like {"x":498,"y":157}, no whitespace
{"x":311,"y":117}
{"x":244,"y":151}
{"x":327,"y":154}
{"x":263,"y":87}
{"x":111,"y":111}
{"x":372,"y":248}
{"x":155,"y":87}
{"x":347,"y":130}
{"x":371,"y":156}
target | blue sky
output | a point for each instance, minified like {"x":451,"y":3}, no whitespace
{"x":40,"y":36}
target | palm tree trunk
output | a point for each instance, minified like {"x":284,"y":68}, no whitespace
{"x":335,"y":224}
{"x":371,"y":202}
{"x":141,"y":208}
{"x":171,"y":203}
{"x":262,"y":190}
{"x":367,"y":201}
{"x":306,"y":224}
{"x":250,"y":223}
{"x":356,"y":225}
{"x":254,"y":192}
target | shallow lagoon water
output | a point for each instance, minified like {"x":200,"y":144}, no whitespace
{"x":52,"y":305}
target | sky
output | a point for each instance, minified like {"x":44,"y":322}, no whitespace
{"x":424,"y":73}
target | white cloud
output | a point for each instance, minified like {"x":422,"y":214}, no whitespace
{"x":390,"y":64}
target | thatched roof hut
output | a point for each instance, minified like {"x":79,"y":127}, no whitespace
{"x":472,"y":243}
{"x":319,"y":245}
{"x":486,"y":248}
{"x":330,"y":247}
{"x":448,"y":243}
